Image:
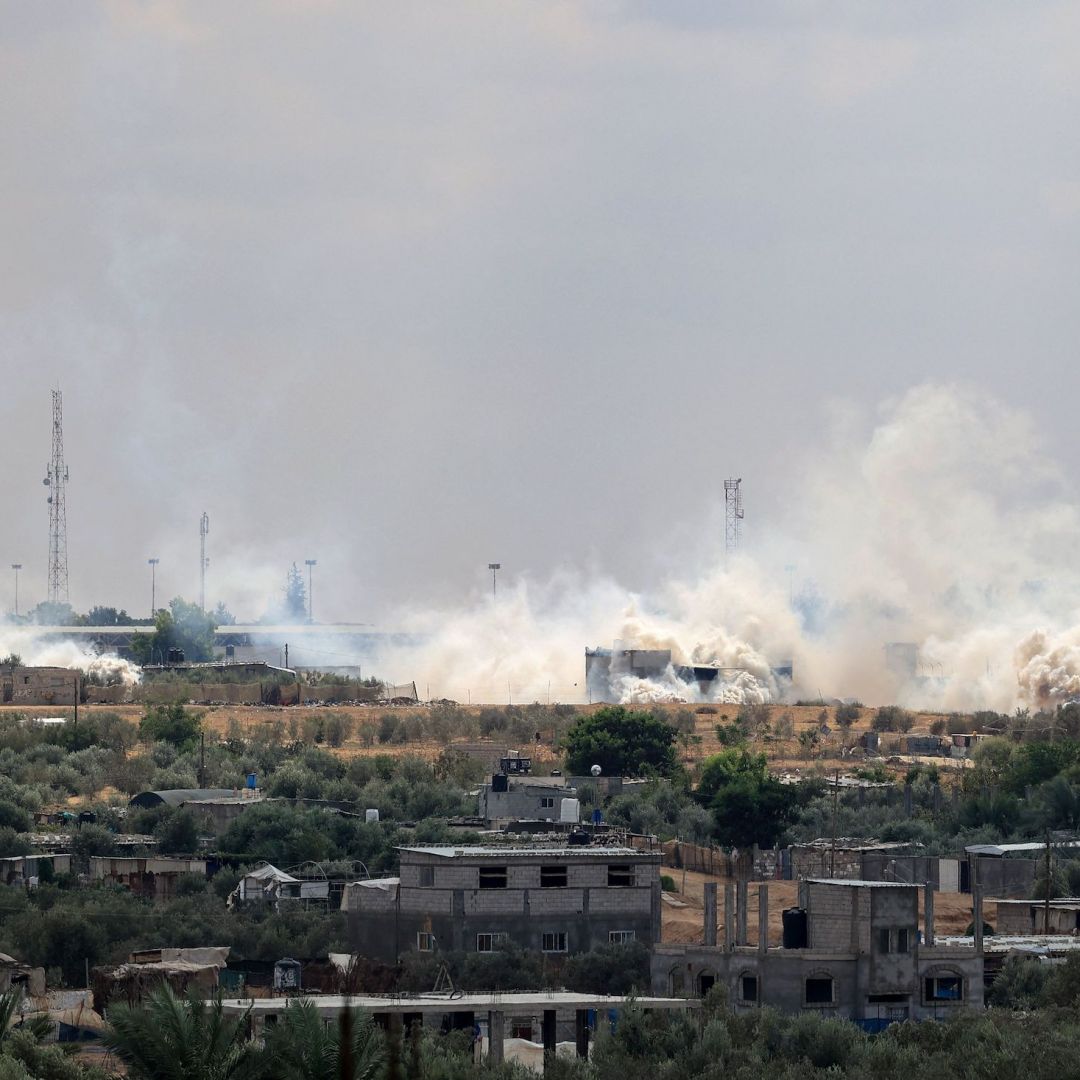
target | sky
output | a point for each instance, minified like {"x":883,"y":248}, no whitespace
{"x":409,"y":288}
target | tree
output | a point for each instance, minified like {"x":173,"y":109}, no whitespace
{"x":169,"y":1038}
{"x":892,"y":718}
{"x":748,"y":805}
{"x":172,"y":724}
{"x":295,"y":607}
{"x":107,"y":616}
{"x":847,"y":713}
{"x":178,"y":833}
{"x":181,"y":626}
{"x":302,"y":1047}
{"x":623,"y":742}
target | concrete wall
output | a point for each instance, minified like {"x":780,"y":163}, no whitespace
{"x":523,"y":801}
{"x":1028,"y":918}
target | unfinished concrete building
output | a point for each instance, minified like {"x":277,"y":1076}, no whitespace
{"x":853,"y":949}
{"x":475,"y":899}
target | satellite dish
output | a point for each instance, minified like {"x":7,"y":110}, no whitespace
{"x":596,"y":770}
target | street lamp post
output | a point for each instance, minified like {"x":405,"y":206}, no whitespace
{"x":309,"y":563}
{"x":494,"y":567}
{"x":153,"y":585}
{"x":16,"y":566}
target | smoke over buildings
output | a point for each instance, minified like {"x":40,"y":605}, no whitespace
{"x":938,"y":521}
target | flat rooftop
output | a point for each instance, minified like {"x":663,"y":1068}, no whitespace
{"x":449,"y":852}
{"x":856,"y":884}
{"x":333,"y":1004}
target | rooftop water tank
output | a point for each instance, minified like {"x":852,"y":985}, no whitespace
{"x":570,"y":810}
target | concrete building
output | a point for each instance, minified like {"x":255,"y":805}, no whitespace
{"x":38,"y":686}
{"x":853,"y":950}
{"x":473,"y":899}
{"x":506,"y":799}
{"x":153,"y":877}
{"x":503,"y":1018}
{"x":1031,"y":917}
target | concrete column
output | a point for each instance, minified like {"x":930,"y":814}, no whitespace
{"x":729,"y":916}
{"x":928,"y":914}
{"x":549,"y":1027}
{"x":804,"y":894}
{"x":855,"y":919}
{"x":977,"y":916}
{"x":581,"y":1032}
{"x":763,"y":918}
{"x":740,"y":912}
{"x":710,"y":913}
{"x":496,"y":1033}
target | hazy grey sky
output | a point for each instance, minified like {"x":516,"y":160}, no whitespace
{"x":408,"y":287}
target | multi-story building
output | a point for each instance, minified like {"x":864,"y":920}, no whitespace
{"x":852,"y":949}
{"x":474,"y":899}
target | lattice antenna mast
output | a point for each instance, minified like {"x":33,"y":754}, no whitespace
{"x":733,"y":515}
{"x":56,"y":478}
{"x":204,"y":561}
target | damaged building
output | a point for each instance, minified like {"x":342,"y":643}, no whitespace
{"x":612,"y":674}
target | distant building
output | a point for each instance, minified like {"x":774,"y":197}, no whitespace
{"x":154,"y":877}
{"x":853,"y":950}
{"x":474,"y":899}
{"x":38,"y":686}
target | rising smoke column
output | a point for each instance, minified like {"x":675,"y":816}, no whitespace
{"x":939,"y":520}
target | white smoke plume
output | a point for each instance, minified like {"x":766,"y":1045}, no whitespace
{"x":941,"y":522}
{"x":34,"y":651}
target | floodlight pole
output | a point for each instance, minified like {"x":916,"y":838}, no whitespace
{"x":153,"y":563}
{"x":494,"y":567}
{"x":309,"y":563}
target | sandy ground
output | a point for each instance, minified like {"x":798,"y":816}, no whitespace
{"x":693,"y":746}
{"x":952,"y":911}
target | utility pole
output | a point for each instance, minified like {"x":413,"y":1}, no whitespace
{"x":153,"y":585}
{"x":733,"y":514}
{"x":56,"y":478}
{"x":1046,"y":902}
{"x":286,"y":654}
{"x":494,"y":567}
{"x":309,"y":563}
{"x":204,"y":562}
{"x":16,"y":566}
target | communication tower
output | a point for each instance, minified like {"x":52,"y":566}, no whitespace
{"x":204,"y":561}
{"x":56,"y":478}
{"x":733,"y":515}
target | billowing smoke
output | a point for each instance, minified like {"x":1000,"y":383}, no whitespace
{"x":1048,"y":667}
{"x":37,"y":652}
{"x":940,"y":522}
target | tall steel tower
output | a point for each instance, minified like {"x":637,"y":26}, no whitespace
{"x":733,"y":515}
{"x":204,"y":562}
{"x":56,"y":478}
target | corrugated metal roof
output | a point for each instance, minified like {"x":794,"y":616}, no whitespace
{"x":177,"y":796}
